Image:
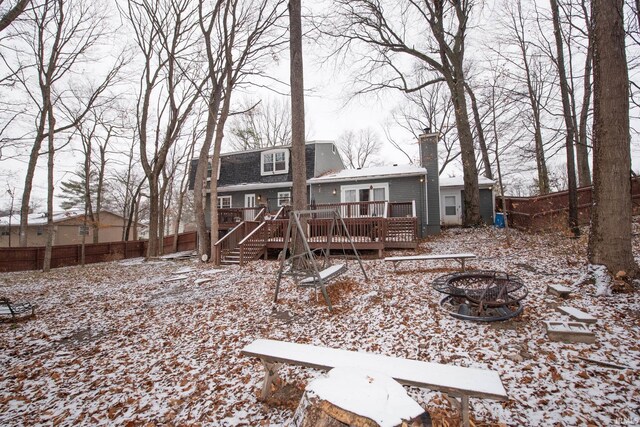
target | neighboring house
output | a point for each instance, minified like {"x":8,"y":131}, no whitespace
{"x":452,"y":200}
{"x":69,"y":229}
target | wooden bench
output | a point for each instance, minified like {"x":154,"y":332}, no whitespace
{"x":325,"y":275}
{"x":452,"y":380}
{"x":458,"y":257}
{"x":8,"y":308}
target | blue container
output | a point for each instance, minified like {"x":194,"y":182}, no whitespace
{"x":499,"y":221}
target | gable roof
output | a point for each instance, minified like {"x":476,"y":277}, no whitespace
{"x":370,"y":173}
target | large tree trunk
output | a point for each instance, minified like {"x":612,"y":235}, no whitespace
{"x":296,"y":77}
{"x":486,"y":163}
{"x":610,"y":237}
{"x":467,"y":152}
{"x":154,"y":210}
{"x":46,"y":265}
{"x":569,"y":123}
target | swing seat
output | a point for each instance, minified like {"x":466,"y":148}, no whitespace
{"x":326,"y":275}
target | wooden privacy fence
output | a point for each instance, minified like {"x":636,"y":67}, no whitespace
{"x":31,"y":258}
{"x":551,"y":210}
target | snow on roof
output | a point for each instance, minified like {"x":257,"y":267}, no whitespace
{"x":374,"y":172}
{"x":41,"y":218}
{"x":458,"y":181}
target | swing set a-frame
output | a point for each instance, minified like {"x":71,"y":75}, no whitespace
{"x":312,"y":268}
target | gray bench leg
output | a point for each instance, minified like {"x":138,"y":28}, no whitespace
{"x":465,"y":411}
{"x":270,"y":375}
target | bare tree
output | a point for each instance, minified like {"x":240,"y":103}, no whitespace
{"x":431,"y":108}
{"x":431,"y":34}
{"x":359,"y":149}
{"x":59,"y":36}
{"x":568,"y":117}
{"x":10,"y":11}
{"x":264,"y":123}
{"x":239,"y":38}
{"x":610,"y":235}
{"x":165,"y":32}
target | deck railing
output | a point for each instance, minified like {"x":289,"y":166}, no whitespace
{"x":254,"y":243}
{"x":237,"y":215}
{"x":401,"y":209}
{"x":357,"y":209}
{"x":232,"y":239}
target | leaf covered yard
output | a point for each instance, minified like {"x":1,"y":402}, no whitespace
{"x":135,"y":343}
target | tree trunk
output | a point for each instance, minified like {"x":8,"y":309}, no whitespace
{"x":582,"y":149}
{"x":467,"y":153}
{"x":46,"y":265}
{"x":296,"y":76}
{"x":154,"y":208}
{"x":610,"y":236}
{"x":481,"y":141}
{"x":568,"y":119}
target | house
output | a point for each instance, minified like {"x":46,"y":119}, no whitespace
{"x":452,"y":200}
{"x":69,"y":228}
{"x":383,"y":207}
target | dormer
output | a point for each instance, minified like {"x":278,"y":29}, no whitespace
{"x":274,"y":162}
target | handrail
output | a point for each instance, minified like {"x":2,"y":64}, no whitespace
{"x":217,"y":247}
{"x":260,"y":214}
{"x":250,"y":238}
{"x":262,"y":224}
{"x":278,"y":213}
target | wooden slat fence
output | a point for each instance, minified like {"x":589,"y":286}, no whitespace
{"x":31,"y":258}
{"x":551,"y":210}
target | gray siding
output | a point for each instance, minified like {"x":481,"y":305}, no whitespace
{"x":327,"y":158}
{"x":403,"y":189}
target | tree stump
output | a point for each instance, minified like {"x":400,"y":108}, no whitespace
{"x":354,"y":397}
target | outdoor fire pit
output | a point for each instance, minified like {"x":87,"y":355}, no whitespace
{"x":486,"y":296}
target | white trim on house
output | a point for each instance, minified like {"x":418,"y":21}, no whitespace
{"x":279,"y":165}
{"x":385,"y":172}
{"x":221,"y":202}
{"x":364,"y":186}
{"x":254,"y":186}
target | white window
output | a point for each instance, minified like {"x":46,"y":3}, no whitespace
{"x":275,"y":162}
{"x":4,"y":231}
{"x":284,"y":198}
{"x":371,"y":193}
{"x":40,"y":230}
{"x":83,"y":230}
{"x":450,"y":205}
{"x":224,"y":202}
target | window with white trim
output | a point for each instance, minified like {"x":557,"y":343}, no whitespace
{"x":274,"y":162}
{"x":40,"y":230}
{"x":224,"y":202}
{"x":284,"y":198}
{"x":4,"y":231}
{"x":83,"y":230}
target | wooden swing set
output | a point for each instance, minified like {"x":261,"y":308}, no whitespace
{"x":312,"y":268}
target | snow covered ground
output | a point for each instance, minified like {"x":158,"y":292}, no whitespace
{"x":132,"y":342}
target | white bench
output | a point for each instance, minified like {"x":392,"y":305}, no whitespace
{"x":449,"y":379}
{"x":458,"y":257}
{"x":325,"y":275}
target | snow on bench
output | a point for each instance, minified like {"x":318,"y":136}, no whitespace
{"x":578,"y":315}
{"x":458,"y":257}
{"x":325,"y":275}
{"x":453,"y":380}
{"x":558,"y":290}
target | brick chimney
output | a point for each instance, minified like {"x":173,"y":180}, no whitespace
{"x":428,"y":142}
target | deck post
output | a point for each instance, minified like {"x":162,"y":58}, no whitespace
{"x":465,"y":411}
